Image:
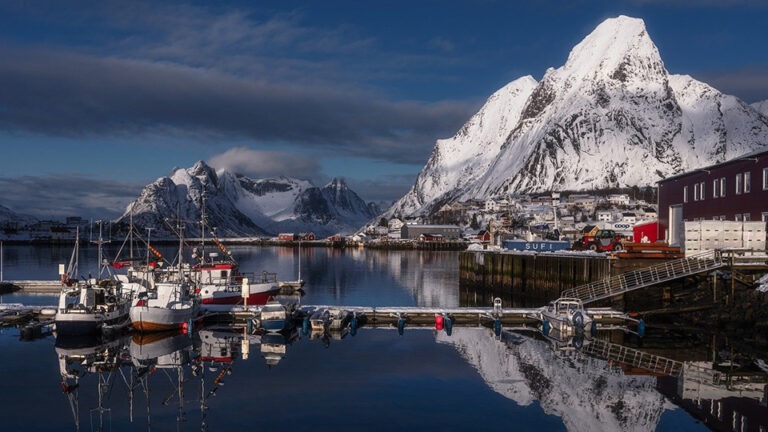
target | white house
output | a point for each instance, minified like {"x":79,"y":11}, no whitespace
{"x":395,"y":224}
{"x":628,"y":217}
{"x":604,"y":215}
{"x":618,"y":199}
{"x":491,"y":205}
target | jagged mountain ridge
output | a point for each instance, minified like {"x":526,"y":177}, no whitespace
{"x":611,"y":116}
{"x":239,"y":206}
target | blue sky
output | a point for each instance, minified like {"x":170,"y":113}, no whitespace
{"x":98,"y":99}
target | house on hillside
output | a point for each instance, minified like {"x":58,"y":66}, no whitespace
{"x":286,"y":237}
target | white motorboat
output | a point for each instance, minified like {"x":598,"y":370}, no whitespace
{"x":566,"y":314}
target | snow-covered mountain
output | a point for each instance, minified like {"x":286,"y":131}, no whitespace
{"x":8,"y":216}
{"x":761,"y":107}
{"x":612,"y":116}
{"x":583,"y":391}
{"x":240,"y":206}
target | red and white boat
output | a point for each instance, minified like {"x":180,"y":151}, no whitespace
{"x":221,"y":283}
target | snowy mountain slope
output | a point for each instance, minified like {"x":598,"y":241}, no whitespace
{"x":612,"y":116}
{"x":761,"y":107}
{"x":458,"y":161}
{"x":8,"y":216}
{"x":581,"y":390}
{"x":240,"y":206}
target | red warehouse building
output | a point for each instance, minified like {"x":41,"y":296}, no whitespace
{"x":735,"y":190}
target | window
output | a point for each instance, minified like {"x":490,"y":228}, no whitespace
{"x":722,"y":186}
{"x":764,"y":217}
{"x":685,"y":193}
{"x":747,"y":181}
{"x":738,"y":184}
{"x":702,"y":193}
{"x":747,"y":217}
{"x":765,"y":178}
{"x":738,"y":217}
{"x":715,"y":184}
{"x":696,"y":192}
{"x":722,"y":218}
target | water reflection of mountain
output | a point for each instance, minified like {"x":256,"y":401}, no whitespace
{"x":585,"y":392}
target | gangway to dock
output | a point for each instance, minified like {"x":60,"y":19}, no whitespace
{"x":645,"y":277}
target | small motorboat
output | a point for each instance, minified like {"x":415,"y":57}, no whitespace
{"x":319,"y":320}
{"x":274,"y":316}
{"x":566,"y":314}
{"x":86,"y":308}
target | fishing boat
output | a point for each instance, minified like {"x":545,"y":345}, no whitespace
{"x":85,"y":307}
{"x":171,"y":304}
{"x":566,"y":314}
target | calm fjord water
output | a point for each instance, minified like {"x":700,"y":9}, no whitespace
{"x":375,"y":380}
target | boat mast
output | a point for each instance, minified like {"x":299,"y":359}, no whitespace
{"x":202,"y":227}
{"x":130,"y":234}
{"x":299,"y":279}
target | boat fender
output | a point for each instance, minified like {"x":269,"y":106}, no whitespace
{"x":438,"y":322}
{"x":545,"y":328}
{"x":497,"y":327}
{"x":593,"y":329}
{"x":305,"y":326}
{"x":449,"y":330}
{"x":448,"y":324}
{"x":249,"y":325}
{"x":641,"y":328}
{"x":578,"y":320}
{"x":400,"y":326}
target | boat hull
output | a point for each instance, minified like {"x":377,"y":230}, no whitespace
{"x":86,"y":324}
{"x":258,"y":296}
{"x":154,"y":319}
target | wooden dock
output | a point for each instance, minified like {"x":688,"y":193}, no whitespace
{"x":31,"y":286}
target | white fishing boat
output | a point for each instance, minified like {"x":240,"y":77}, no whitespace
{"x":566,"y":314}
{"x":171,"y":304}
{"x":85,"y":307}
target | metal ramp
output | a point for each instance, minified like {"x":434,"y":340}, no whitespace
{"x":636,"y":279}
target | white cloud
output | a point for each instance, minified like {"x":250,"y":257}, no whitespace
{"x":266,"y":163}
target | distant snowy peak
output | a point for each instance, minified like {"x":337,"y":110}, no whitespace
{"x":241,"y":206}
{"x":611,"y":116}
{"x":761,"y":107}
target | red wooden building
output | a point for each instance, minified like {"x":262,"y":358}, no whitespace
{"x":735,"y":190}
{"x":286,"y":237}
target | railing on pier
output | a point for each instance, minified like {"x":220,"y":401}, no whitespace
{"x":636,"y":279}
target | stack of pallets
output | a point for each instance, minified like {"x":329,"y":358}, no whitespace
{"x":658,"y":250}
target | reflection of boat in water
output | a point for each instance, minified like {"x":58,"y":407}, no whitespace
{"x":275,"y":345}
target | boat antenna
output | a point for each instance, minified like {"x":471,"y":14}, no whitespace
{"x":149,"y":246}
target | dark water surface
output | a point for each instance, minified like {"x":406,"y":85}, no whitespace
{"x":375,"y":380}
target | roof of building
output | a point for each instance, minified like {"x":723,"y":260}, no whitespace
{"x":706,"y":169}
{"x":431,"y":226}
